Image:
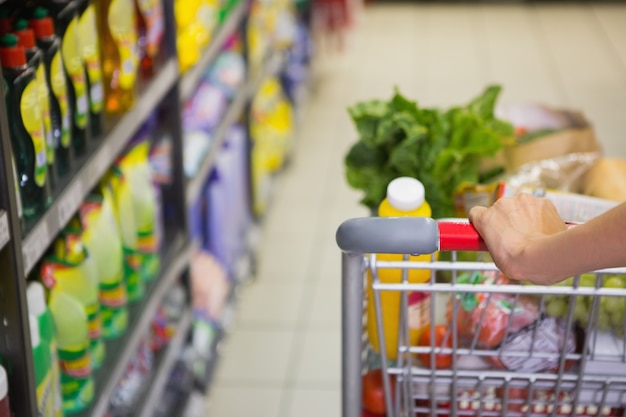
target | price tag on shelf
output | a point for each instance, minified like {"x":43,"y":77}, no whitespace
{"x":69,"y":202}
{"x":34,"y":248}
{"x":5,"y":235}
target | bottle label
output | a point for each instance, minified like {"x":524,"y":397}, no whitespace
{"x":55,"y":373}
{"x":74,"y":67}
{"x":33,"y":123}
{"x":419,"y":310}
{"x":152,"y":12}
{"x":77,"y":383}
{"x":121,"y":21}
{"x":45,"y":398}
{"x":44,"y":104}
{"x":132,"y":276}
{"x":59,"y":88}
{"x":91,"y":57}
{"x":113,"y":307}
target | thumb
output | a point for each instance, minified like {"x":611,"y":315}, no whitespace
{"x":476,"y":215}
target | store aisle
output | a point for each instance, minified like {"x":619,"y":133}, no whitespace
{"x":282,"y":358}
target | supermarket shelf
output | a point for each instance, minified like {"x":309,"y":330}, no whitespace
{"x":191,"y":79}
{"x":165,"y":364}
{"x":46,"y":229}
{"x":195,"y":185}
{"x":5,"y":234}
{"x":236,"y":108}
{"x":120,"y":351}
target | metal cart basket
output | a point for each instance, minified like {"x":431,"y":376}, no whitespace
{"x":509,"y":349}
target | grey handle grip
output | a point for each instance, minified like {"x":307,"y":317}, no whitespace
{"x":401,"y":235}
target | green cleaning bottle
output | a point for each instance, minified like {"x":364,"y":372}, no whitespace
{"x":60,"y":111}
{"x":26,"y":39}
{"x":35,"y":296}
{"x":90,"y":48}
{"x":26,"y":128}
{"x":43,"y":374}
{"x":67,"y":27}
{"x":77,"y":381}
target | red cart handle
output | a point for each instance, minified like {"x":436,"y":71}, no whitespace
{"x":459,"y":235}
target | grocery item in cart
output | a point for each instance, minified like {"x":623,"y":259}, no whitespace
{"x":485,"y":319}
{"x":405,"y":197}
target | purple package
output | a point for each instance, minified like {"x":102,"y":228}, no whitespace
{"x":205,"y":109}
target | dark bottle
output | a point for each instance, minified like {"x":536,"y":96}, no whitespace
{"x":66,"y":16}
{"x":26,"y":128}
{"x":26,"y":39}
{"x":90,"y":49}
{"x":60,"y":115}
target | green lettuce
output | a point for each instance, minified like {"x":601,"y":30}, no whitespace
{"x":443,"y":149}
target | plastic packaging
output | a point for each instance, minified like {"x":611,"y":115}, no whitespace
{"x":136,"y":169}
{"x":26,"y":37}
{"x":37,"y":307}
{"x":70,"y":321}
{"x":489,"y":318}
{"x":67,"y":27}
{"x":43,"y":374}
{"x":71,"y":270}
{"x":121,"y":192}
{"x":151,"y":29}
{"x":405,"y":197}
{"x":60,"y":114}
{"x":120,"y":62}
{"x":90,"y":52}
{"x":104,"y":243}
{"x":26,"y":128}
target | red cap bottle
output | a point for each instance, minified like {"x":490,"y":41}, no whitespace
{"x":12,"y":55}
{"x":25,"y":35}
{"x":6,"y":22}
{"x":42,"y":24}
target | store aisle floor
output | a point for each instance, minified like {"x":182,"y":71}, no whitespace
{"x":282,"y":358}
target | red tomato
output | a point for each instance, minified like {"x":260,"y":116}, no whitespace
{"x":374,"y":392}
{"x":442,"y":360}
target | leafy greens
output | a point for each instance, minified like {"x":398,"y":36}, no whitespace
{"x":443,"y":149}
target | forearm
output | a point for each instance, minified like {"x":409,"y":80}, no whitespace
{"x":599,"y":243}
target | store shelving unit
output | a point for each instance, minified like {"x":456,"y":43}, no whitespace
{"x":21,"y":251}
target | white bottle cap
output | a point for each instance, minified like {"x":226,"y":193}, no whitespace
{"x":405,"y":193}
{"x":36,"y":299}
{"x":4,"y":384}
{"x":34,"y":331}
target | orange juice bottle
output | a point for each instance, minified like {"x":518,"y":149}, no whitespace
{"x":405,"y":197}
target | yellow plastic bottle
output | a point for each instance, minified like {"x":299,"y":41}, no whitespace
{"x":119,"y":49}
{"x":405,"y":197}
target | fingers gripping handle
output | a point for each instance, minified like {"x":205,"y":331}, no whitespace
{"x":412,"y":235}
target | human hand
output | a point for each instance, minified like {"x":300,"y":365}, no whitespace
{"x":513,"y":229}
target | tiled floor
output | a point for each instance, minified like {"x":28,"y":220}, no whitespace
{"x":282,"y":358}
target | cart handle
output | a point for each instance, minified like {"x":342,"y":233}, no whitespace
{"x":407,"y":235}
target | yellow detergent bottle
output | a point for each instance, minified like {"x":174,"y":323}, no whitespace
{"x":71,"y":270}
{"x":70,"y":321}
{"x":405,"y":197}
{"x":104,"y":243}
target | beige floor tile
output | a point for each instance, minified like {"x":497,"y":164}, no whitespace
{"x":255,"y":356}
{"x":258,"y":401}
{"x":314,"y":403}
{"x":325,"y":313}
{"x":270,"y":305}
{"x":319,"y":359}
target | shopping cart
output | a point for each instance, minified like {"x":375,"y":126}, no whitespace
{"x":541,"y":363}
